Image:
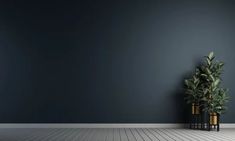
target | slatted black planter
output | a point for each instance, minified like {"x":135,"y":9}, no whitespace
{"x":195,"y":117}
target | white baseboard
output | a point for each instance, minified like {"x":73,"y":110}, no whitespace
{"x":227,"y":125}
{"x":103,"y":125}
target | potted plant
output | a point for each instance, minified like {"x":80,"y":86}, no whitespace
{"x":216,"y":105}
{"x":192,"y":92}
{"x":214,"y":96}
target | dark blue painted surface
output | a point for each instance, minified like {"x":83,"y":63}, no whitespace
{"x":106,"y":61}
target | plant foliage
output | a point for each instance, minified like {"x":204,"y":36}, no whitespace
{"x":205,"y":86}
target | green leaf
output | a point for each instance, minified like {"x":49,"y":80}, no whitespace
{"x":208,"y":61}
{"x":212,"y":78}
{"x":204,"y":99}
{"x":216,"y":82}
{"x":204,"y":75}
{"x":186,"y":82}
{"x":221,"y":64}
{"x":208,"y":71}
{"x":211,"y":54}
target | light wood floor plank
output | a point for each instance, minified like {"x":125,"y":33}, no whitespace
{"x":187,"y":136}
{"x":165,"y":135}
{"x":136,"y":135}
{"x":82,"y":138}
{"x":123,"y":135}
{"x":209,"y":135}
{"x":109,"y":135}
{"x":144,"y":136}
{"x":150,"y":135}
{"x":116,"y":135}
{"x":129,"y":134}
{"x":160,"y":137}
{"x":175,"y":136}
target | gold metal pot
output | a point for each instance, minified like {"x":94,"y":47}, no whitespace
{"x":213,"y":118}
{"x":195,"y":109}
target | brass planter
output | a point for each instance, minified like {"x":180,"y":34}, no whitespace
{"x":213,"y":119}
{"x":195,"y":109}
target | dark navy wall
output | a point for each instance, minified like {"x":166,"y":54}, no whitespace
{"x":108,"y":61}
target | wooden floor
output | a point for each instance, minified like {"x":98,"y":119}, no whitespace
{"x":117,"y":134}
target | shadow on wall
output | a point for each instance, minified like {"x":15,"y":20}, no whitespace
{"x":183,"y":110}
{"x":181,"y":107}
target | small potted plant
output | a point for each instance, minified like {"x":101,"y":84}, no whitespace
{"x":192,"y":92}
{"x":193,"y":97}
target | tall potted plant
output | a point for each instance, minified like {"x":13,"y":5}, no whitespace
{"x":215,"y":97}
